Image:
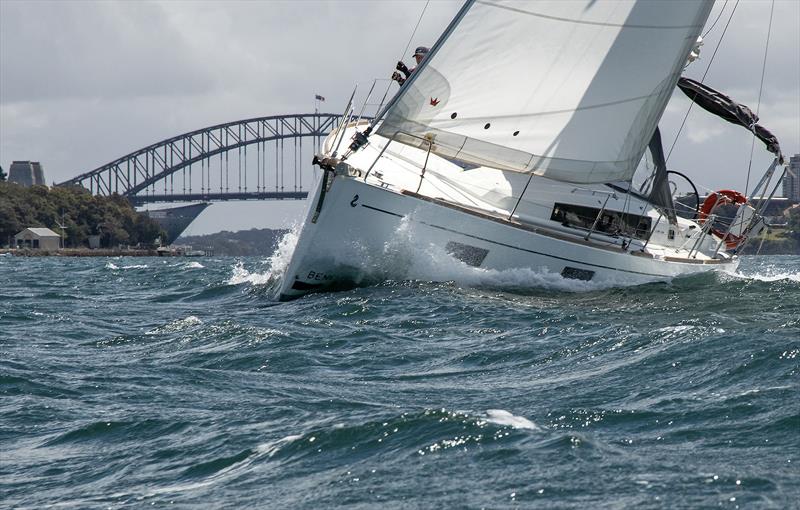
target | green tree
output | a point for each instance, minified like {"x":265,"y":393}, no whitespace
{"x":82,"y":215}
{"x":2,"y":174}
{"x":794,"y":219}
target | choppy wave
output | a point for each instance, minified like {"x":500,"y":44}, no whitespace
{"x":186,"y":386}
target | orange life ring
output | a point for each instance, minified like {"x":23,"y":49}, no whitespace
{"x":724,"y":196}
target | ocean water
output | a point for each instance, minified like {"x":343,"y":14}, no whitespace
{"x":181,"y":383}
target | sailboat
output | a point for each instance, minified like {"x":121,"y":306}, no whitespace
{"x":514,"y":146}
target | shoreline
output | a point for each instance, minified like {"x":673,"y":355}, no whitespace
{"x":78,"y":252}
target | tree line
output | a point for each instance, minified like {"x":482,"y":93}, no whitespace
{"x":243,"y":243}
{"x":82,"y":214}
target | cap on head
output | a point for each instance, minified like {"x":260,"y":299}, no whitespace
{"x":422,"y":51}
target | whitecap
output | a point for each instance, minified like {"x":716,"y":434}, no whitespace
{"x":177,"y":325}
{"x":769,"y":277}
{"x":114,"y":267}
{"x":194,"y":265}
{"x":501,"y":417}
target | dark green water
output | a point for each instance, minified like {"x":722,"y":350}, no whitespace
{"x":128,"y":383}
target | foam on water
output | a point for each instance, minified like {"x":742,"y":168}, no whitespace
{"x":114,"y":267}
{"x":276,"y":263}
{"x":766,"y":269}
{"x":769,"y":276}
{"x":177,"y":325}
{"x":505,"y":418}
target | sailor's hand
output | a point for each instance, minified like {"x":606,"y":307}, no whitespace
{"x":402,"y":67}
{"x":396,"y":77}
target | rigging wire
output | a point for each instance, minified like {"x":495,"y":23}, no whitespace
{"x":691,"y":104}
{"x":760,"y":90}
{"x":715,"y":21}
{"x":413,"y":33}
{"x":408,"y":44}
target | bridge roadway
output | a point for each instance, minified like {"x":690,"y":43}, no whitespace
{"x":138,"y":200}
{"x":213,"y":164}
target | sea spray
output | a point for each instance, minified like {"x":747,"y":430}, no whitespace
{"x":275,"y":264}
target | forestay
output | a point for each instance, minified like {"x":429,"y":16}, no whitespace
{"x":571,"y":90}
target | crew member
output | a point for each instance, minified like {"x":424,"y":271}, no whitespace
{"x":419,"y":54}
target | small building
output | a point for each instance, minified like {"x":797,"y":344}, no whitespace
{"x":38,"y":239}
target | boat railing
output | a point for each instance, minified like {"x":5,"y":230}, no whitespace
{"x":653,"y":229}
{"x":763,"y":204}
{"x":703,"y":232}
{"x":597,"y":218}
{"x":348,"y":111}
{"x":390,"y":140}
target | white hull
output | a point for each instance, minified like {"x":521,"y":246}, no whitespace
{"x":363,"y":230}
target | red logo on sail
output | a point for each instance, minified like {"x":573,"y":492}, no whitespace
{"x":434,"y":101}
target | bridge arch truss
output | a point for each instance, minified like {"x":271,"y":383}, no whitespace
{"x":213,"y":163}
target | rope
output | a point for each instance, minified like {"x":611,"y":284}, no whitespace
{"x":763,"y":238}
{"x":691,"y":104}
{"x":408,"y":45}
{"x":760,"y":90}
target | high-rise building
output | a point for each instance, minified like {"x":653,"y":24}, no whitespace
{"x":27,"y":173}
{"x":791,"y":181}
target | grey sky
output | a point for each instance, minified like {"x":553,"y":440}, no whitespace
{"x":82,"y":83}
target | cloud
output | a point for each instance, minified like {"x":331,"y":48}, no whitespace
{"x":82,"y":83}
{"x":52,"y":50}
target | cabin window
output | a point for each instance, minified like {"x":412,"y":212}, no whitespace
{"x":613,"y":223}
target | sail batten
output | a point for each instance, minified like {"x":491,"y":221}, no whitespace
{"x":572,"y":90}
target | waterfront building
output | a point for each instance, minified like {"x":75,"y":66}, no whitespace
{"x":38,"y":239}
{"x":791,"y":181}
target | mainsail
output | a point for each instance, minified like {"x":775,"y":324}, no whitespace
{"x":571,"y":90}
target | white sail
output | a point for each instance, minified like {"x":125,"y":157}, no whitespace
{"x":568,"y":89}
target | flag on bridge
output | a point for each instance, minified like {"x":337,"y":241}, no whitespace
{"x":319,"y":98}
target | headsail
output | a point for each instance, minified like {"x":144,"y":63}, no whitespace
{"x":572,"y":90}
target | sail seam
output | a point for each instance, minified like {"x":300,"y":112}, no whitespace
{"x":552,"y":112}
{"x":582,"y":22}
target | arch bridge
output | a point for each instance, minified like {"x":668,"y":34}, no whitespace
{"x":214,"y":163}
